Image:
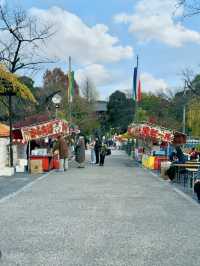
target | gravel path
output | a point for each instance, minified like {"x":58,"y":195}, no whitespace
{"x":114,"y":215}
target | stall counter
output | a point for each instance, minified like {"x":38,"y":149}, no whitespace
{"x":47,"y":161}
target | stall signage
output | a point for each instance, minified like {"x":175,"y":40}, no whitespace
{"x":144,"y":131}
{"x":44,"y":130}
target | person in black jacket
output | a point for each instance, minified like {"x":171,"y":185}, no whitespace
{"x":176,"y":157}
{"x":197,"y":189}
{"x":97,"y":148}
{"x":180,"y":155}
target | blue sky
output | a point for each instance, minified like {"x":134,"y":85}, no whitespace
{"x":165,"y":42}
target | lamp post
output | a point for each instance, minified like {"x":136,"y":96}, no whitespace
{"x":57,"y":100}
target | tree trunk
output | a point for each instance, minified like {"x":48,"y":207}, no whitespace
{"x":10,"y":124}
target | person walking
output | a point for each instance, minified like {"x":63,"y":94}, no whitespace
{"x":93,"y":157}
{"x":103,"y":152}
{"x":63,"y":148}
{"x":80,"y":152}
{"x":97,"y":148}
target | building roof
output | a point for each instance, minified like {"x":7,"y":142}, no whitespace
{"x":4,"y":130}
{"x":101,"y":106}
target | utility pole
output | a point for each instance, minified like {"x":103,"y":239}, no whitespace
{"x":184,"y":119}
{"x":87,"y":91}
{"x":184,"y":109}
{"x":69,"y":89}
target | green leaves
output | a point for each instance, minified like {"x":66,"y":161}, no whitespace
{"x":10,"y":83}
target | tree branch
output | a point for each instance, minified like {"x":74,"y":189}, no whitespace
{"x":23,"y":31}
{"x":4,"y":103}
{"x":31,"y":65}
{"x":188,"y":78}
{"x":191,"y":6}
{"x":16,"y":59}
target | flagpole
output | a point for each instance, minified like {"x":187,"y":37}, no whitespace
{"x":136,"y":103}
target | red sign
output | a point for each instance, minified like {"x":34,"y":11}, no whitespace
{"x":145,"y":131}
{"x":45,"y":130}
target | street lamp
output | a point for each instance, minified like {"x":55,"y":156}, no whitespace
{"x":57,"y":100}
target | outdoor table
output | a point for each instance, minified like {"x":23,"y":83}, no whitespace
{"x":192,"y":162}
{"x":186,"y":165}
{"x":190,"y":168}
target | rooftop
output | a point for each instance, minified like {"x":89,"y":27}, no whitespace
{"x":101,"y":106}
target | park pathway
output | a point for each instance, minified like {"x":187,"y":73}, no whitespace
{"x":119,"y":215}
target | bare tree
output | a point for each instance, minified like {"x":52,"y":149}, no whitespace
{"x":21,"y":37}
{"x":168,"y":93}
{"x":89,"y":91}
{"x":189,"y":81}
{"x":191,"y":7}
{"x":20,"y":41}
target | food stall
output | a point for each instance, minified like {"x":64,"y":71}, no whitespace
{"x":36,"y":142}
{"x":152,"y":144}
{"x":5,"y":170}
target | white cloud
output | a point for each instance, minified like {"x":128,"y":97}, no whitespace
{"x":107,"y":82}
{"x":152,"y":84}
{"x":88,"y":45}
{"x":95,"y":72}
{"x":158,"y":20}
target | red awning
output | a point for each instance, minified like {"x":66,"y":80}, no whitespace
{"x":155,"y":133}
{"x":49,"y":129}
{"x":4,"y":131}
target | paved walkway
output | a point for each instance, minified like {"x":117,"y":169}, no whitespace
{"x":111,"y":216}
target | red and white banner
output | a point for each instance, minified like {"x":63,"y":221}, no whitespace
{"x":48,"y":129}
{"x":144,"y":131}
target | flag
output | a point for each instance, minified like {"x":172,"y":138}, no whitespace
{"x":71,"y":84}
{"x":135,"y":83}
{"x":139,"y":92}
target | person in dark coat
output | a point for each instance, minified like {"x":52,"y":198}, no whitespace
{"x":97,"y":148}
{"x":80,"y":152}
{"x":103,"y":152}
{"x":180,"y":155}
{"x":197,"y":189}
{"x":172,"y":157}
{"x":179,"y":158}
{"x":63,"y":148}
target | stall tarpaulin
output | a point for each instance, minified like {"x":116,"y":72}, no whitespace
{"x":43,"y":130}
{"x":144,"y":131}
{"x":4,"y":130}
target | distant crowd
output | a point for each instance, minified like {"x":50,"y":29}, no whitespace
{"x":68,"y":147}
